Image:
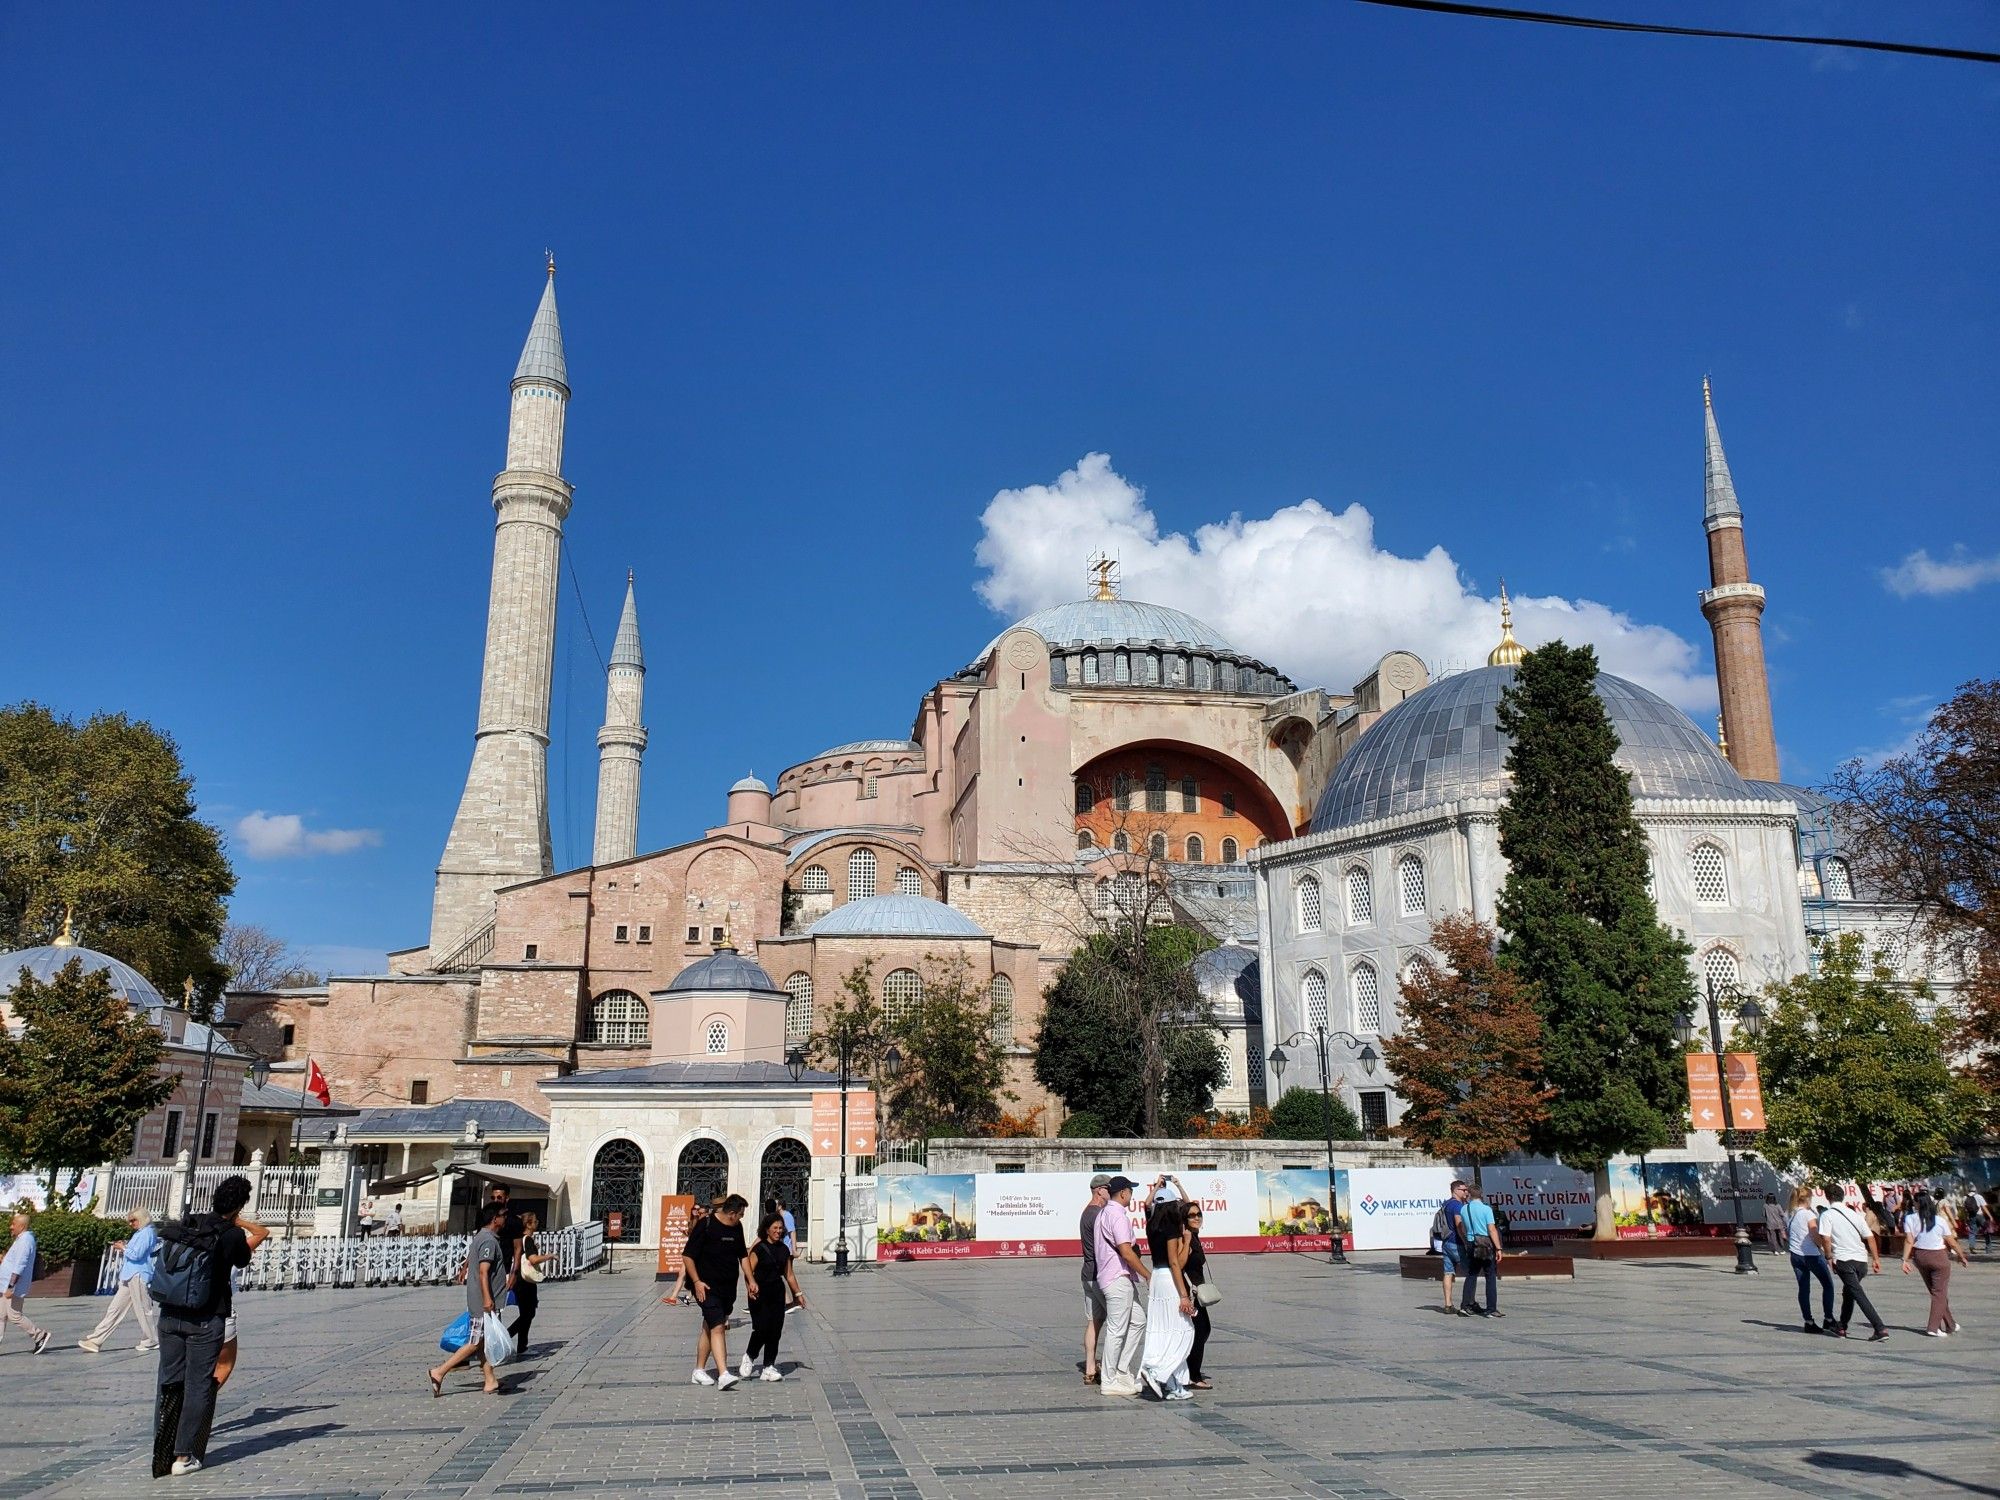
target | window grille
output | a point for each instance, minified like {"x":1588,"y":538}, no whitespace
{"x":1374,"y":1113}
{"x":1194,"y":849}
{"x":1226,"y":1078}
{"x":1156,"y":789}
{"x":1085,"y":839}
{"x":902,"y":993}
{"x":1001,"y":993}
{"x":1309,"y":906}
{"x":1190,"y":794}
{"x":1128,"y":890}
{"x":1157,"y":846}
{"x":815,"y":881}
{"x":1313,"y":987}
{"x":1838,"y":879}
{"x":694,"y":935}
{"x":1360,"y":899}
{"x":909,"y":882}
{"x":1255,"y":1068}
{"x":1229,"y":804}
{"x":799,"y":1009}
{"x":1229,"y":851}
{"x":1367,"y":1000}
{"x":1121,"y":842}
{"x":860,"y":874}
{"x":1410,"y":883}
{"x":1705,"y":869}
{"x":1086,"y":797}
{"x":619,"y":1017}
{"x":1892,"y":952}
{"x":867,"y":786}
{"x":621,"y":933}
{"x":716,"y":1038}
{"x":645,"y":933}
{"x":1719,"y":968}
{"x":1121,"y":791}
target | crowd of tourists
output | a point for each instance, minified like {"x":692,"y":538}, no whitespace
{"x":1828,"y":1240}
{"x":1145,"y":1330}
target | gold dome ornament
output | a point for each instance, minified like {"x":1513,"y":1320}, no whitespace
{"x":1510,"y":652}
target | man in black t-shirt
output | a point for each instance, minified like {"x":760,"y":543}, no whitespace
{"x":712,"y":1256}
{"x":191,"y":1337}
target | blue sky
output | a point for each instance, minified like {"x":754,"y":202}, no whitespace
{"x":833,"y":279}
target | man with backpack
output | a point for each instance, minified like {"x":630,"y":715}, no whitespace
{"x":191,"y":1285}
{"x":1448,"y":1239}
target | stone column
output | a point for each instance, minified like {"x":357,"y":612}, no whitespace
{"x":255,"y":1173}
{"x":177,"y":1186}
{"x":333,"y":1204}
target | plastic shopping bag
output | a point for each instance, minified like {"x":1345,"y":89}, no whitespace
{"x":456,"y":1333}
{"x":499,"y":1340}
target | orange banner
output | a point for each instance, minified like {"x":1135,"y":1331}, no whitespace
{"x":860,"y":1123}
{"x":676,"y":1213}
{"x":1704,"y":1091}
{"x":1746,"y":1093}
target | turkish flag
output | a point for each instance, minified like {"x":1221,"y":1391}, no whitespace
{"x":316,"y":1084}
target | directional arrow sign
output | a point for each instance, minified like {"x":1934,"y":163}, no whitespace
{"x":860,"y":1123}
{"x":1704,"y":1091}
{"x":1746,"y":1094}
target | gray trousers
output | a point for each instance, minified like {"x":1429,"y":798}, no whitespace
{"x":1122,"y":1343}
{"x":131,"y":1297}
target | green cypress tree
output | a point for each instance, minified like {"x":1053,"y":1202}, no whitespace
{"x":1609,"y":979}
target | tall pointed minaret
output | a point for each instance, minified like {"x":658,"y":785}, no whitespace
{"x":621,"y":742}
{"x":1734,"y":605}
{"x":501,"y":833}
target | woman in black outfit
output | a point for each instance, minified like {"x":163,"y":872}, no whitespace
{"x":528,"y":1289}
{"x":767,"y":1273}
{"x":1196,"y":1273}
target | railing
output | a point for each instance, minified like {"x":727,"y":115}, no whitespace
{"x":908,"y":1153}
{"x":127,"y":1188}
{"x":285,"y":1194}
{"x":316,"y":1261}
{"x":473,"y":950}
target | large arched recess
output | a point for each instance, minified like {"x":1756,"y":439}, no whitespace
{"x":1220,"y":781}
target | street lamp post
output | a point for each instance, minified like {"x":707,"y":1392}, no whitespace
{"x":210,"y":1026}
{"x":891,"y":1063}
{"x":1322,"y":1040}
{"x":1750,"y":1021}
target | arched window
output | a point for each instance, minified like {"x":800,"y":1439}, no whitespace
{"x":1837,"y":878}
{"x":1419,"y":971}
{"x":619,"y":1018}
{"x":715,"y":1038}
{"x":1121,"y":791}
{"x":1229,"y":851}
{"x":1360,"y":898}
{"x":1190,"y":794}
{"x":1194,"y":849}
{"x":1410,"y":884}
{"x":814,"y":880}
{"x":1156,"y":846}
{"x":1085,"y":839}
{"x":1719,"y":968}
{"x":1156,"y":789}
{"x":909,"y":882}
{"x":860,"y":874}
{"x":1001,"y":993}
{"x":902,"y":993}
{"x":1310,"y":915}
{"x":1121,"y":842}
{"x":1313,"y":988}
{"x":1711,"y":887}
{"x":618,"y":1183}
{"x":1367,"y":1000}
{"x":1086,"y":797}
{"x":799,"y":1009}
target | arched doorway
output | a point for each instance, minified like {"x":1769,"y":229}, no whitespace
{"x":618,"y":1185}
{"x":704,"y":1170}
{"x":787,"y":1172}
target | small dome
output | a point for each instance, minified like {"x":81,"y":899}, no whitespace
{"x":749,"y":784}
{"x":896,"y":916}
{"x":1230,"y":980}
{"x":724,"y":969}
{"x":44,"y":962}
{"x":1444,"y":744}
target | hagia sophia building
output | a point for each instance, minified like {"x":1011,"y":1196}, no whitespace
{"x":643,"y":1005}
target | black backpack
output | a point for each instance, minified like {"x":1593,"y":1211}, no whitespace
{"x":189,"y":1272}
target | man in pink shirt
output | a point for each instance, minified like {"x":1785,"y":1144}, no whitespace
{"x":1122,"y":1275}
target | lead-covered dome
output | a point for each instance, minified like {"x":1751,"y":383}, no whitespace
{"x":1113,"y":642}
{"x":46,"y":961}
{"x":896,"y":916}
{"x":724,"y":969}
{"x":1230,"y":981}
{"x":1444,"y":744}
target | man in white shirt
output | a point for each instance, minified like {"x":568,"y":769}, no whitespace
{"x":1851,"y":1251}
{"x":17,"y":1274}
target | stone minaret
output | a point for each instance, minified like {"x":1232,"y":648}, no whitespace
{"x":1733,"y":605}
{"x":621,"y":742}
{"x":501,"y":833}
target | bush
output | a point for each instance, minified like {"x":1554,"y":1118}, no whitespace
{"x":1081,"y":1126}
{"x":62,"y":1236}
{"x":1301,"y":1115}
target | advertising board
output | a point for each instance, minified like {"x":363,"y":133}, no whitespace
{"x":1391,"y":1207}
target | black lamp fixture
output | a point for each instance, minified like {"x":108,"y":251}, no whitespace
{"x":892,"y":1063}
{"x":1750,"y":1018}
{"x":260,"y":1071}
{"x":795,"y":1063}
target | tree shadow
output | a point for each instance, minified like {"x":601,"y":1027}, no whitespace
{"x":1892,"y":1468}
{"x":283,"y":1438}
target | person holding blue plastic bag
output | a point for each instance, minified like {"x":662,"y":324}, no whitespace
{"x":485,"y":1285}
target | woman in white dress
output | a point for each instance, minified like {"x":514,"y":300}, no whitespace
{"x":1169,"y":1304}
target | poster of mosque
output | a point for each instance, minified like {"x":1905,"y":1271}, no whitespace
{"x":925,"y":1216}
{"x":1293,"y":1213}
{"x":1656,"y":1198}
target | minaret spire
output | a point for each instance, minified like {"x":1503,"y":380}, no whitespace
{"x":500,"y":835}
{"x":621,"y":742}
{"x":1510,"y":652}
{"x":1734,"y":607}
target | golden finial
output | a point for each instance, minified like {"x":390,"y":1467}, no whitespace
{"x":187,"y":991}
{"x":1509,"y":652}
{"x":551,"y":257}
{"x":1103,"y":570}
{"x":726,"y":941}
{"x":66,"y":938}
{"x":1721,"y":736}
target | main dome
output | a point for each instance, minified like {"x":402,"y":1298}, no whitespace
{"x":1128,"y":642}
{"x":1444,"y":744}
{"x":1119,"y":621}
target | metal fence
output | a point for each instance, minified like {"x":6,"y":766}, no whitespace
{"x":128,"y":1188}
{"x":385,"y":1260}
{"x":279,"y":1191}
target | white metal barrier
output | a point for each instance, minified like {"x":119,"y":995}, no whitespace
{"x":385,"y":1260}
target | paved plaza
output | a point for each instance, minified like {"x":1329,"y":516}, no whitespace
{"x":964,"y":1379}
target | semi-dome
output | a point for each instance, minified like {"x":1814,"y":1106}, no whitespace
{"x":1444,"y":744}
{"x":867,"y":747}
{"x":1230,"y":981}
{"x":1108,"y":641}
{"x":896,"y":916}
{"x":724,"y":969}
{"x":45,"y":961}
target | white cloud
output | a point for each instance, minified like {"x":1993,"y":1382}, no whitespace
{"x":1920,"y":573}
{"x":285,"y":836}
{"x":1304,"y":588}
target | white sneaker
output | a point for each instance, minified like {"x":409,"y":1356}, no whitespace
{"x":1180,"y":1393}
{"x":702,"y":1377}
{"x":726,"y":1380}
{"x":186,"y":1465}
{"x":88,"y":1347}
{"x":1936,"y":1333}
{"x":141,"y":1348}
{"x":771,"y":1372}
{"x":746,"y":1369}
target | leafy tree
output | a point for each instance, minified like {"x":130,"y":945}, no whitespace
{"x":954,"y":1067}
{"x":1229,"y":1126}
{"x":1303,"y":1114}
{"x":1856,"y":1085}
{"x":1581,"y":931}
{"x":75,"y":1084}
{"x":1082,"y":1126}
{"x":1468,"y":1060}
{"x":1194,"y":1072}
{"x":99,"y":818}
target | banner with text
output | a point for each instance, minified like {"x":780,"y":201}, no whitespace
{"x":1391,"y":1207}
{"x":676,"y":1215}
{"x":1537,"y":1199}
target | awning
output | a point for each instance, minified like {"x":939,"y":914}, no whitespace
{"x":544,"y":1184}
{"x":398,"y":1183}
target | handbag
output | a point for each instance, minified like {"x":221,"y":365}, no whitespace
{"x":1207,"y":1293}
{"x":529,"y":1270}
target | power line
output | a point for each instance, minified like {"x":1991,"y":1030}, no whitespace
{"x":1597,"y":23}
